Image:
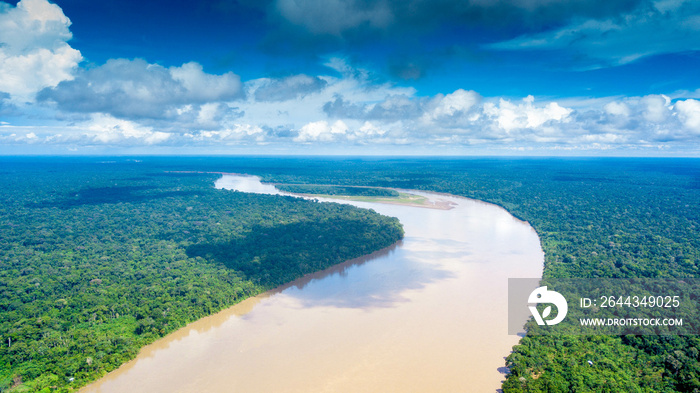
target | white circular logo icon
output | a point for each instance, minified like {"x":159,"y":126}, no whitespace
{"x":542,"y":295}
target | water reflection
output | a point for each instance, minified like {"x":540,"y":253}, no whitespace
{"x":340,"y":269}
{"x":357,"y":287}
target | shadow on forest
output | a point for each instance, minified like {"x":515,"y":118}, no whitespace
{"x":273,"y":255}
{"x":102,"y":195}
{"x":294,"y":255}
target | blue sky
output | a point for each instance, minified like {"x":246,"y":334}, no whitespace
{"x":468,"y":77}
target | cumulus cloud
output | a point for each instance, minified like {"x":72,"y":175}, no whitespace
{"x":135,"y":89}
{"x":237,"y":133}
{"x":465,"y":118}
{"x":393,"y":107}
{"x":134,"y":103}
{"x":98,"y":129}
{"x":34,"y":53}
{"x":402,"y":107}
{"x":202,"y":87}
{"x":322,"y":131}
{"x":453,"y":106}
{"x":689,"y":112}
{"x":658,"y":27}
{"x":509,"y":116}
{"x":617,"y":109}
{"x":106,"y":129}
{"x":461,"y":118}
{"x":656,"y":108}
{"x":288,"y":88}
{"x":355,"y":85}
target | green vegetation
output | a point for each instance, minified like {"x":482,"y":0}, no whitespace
{"x":403,"y":199}
{"x":99,"y":259}
{"x":595,"y":218}
{"x":355,"y":193}
{"x":337,"y":190}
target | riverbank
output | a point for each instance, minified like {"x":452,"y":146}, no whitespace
{"x":404,"y":199}
{"x":420,"y":318}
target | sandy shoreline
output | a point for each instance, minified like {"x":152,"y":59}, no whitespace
{"x":433,"y":203}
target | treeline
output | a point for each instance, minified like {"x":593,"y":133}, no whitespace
{"x":606,"y":217}
{"x":337,"y":190}
{"x":99,"y":259}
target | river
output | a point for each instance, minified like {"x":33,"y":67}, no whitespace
{"x":428,"y":314}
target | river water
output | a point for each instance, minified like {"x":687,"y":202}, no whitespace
{"x":428,"y":314}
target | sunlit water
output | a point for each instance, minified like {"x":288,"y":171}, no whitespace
{"x":426,"y":315}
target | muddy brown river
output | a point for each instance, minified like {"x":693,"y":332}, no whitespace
{"x":428,"y":314}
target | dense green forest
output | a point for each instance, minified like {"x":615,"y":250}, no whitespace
{"x":606,"y":217}
{"x":99,"y":257}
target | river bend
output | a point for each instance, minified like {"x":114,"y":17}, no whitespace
{"x":426,"y":315}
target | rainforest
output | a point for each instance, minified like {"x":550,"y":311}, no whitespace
{"x":102,"y":255}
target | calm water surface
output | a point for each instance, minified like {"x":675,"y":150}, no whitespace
{"x":426,"y":315}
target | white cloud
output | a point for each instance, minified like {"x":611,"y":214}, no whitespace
{"x":203,"y":87}
{"x":105,"y":129}
{"x":134,"y":103}
{"x":370,"y":129}
{"x":321,"y":131}
{"x":689,"y":111}
{"x":657,"y":108}
{"x":34,"y":53}
{"x":356,"y":85}
{"x":238,"y":133}
{"x":459,"y":102}
{"x":135,"y":89}
{"x":511,"y":116}
{"x":617,"y":108}
{"x":208,"y":115}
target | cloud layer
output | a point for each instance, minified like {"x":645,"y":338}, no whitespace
{"x":347,"y":111}
{"x":125,"y":103}
{"x":134,"y":89}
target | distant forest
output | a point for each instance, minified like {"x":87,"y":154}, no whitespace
{"x":99,"y":258}
{"x":605,"y":217}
